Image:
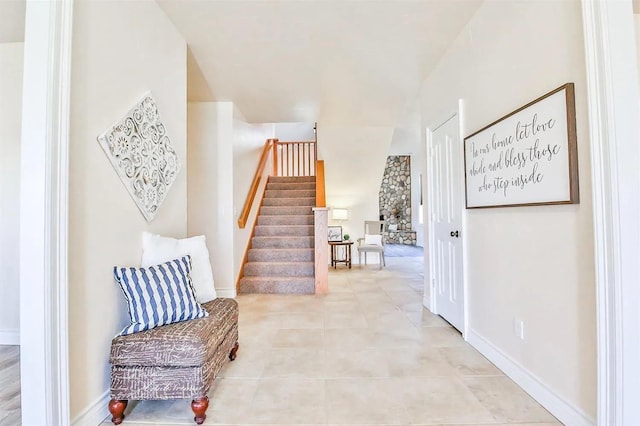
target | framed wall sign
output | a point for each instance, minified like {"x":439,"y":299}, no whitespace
{"x":334,"y":233}
{"x":528,"y":157}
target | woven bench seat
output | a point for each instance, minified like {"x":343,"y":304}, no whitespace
{"x":179,"y":360}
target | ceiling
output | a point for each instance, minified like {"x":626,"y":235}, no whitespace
{"x":354,"y":63}
{"x":337,"y":62}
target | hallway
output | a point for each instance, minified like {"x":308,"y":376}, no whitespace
{"x":367,"y":353}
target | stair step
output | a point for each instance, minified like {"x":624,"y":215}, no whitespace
{"x":281,"y":255}
{"x":291,"y":185}
{"x":286,"y":220}
{"x":290,"y":193}
{"x":279,"y":269}
{"x":285,"y":210}
{"x":277,"y":285}
{"x":302,"y":201}
{"x":282,"y":242}
{"x":284,"y":230}
{"x":291,"y":179}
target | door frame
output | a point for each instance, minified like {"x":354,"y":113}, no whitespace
{"x":44,"y":230}
{"x":613,"y":97}
{"x":429,"y":300}
{"x":611,"y":135}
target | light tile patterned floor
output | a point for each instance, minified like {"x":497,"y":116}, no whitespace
{"x":366,"y":353}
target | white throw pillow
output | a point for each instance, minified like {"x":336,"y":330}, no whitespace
{"x":373,"y":240}
{"x":157,"y":249}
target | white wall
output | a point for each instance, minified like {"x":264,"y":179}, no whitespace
{"x":294,"y":132}
{"x":408,"y":139}
{"x":224,"y":151}
{"x":210,"y":186}
{"x":248,"y":142}
{"x":636,"y":17}
{"x":533,"y":263}
{"x":120,"y":51}
{"x":11,"y":55}
{"x":355,"y":159}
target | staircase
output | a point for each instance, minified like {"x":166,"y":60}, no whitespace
{"x":281,"y":257}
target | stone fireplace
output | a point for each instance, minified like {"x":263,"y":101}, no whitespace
{"x":395,"y":200}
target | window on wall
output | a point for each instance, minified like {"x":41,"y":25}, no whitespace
{"x":420,"y":207}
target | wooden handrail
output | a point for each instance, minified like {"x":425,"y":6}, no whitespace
{"x":246,"y":210}
{"x":289,"y":159}
{"x":320,"y":192}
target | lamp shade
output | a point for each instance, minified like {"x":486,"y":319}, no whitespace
{"x":339,"y":214}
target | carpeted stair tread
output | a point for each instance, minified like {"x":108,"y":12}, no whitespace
{"x":280,"y":285}
{"x":290,"y":185}
{"x":285,"y":210}
{"x":284,"y":231}
{"x":281,"y":255}
{"x":279,"y":269}
{"x":298,"y":201}
{"x":279,"y":220}
{"x":282,"y":242}
{"x":281,"y":258}
{"x":291,"y":179}
{"x":290,"y":193}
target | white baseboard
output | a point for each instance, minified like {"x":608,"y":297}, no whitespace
{"x":226,"y":292}
{"x":562,"y":409}
{"x":9,"y":337}
{"x":95,"y":413}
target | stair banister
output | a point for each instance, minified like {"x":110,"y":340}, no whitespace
{"x":296,"y":158}
{"x":320,"y":191}
{"x":321,"y":219}
{"x":269,"y":145}
{"x":292,"y":159}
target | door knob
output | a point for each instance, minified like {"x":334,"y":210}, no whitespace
{"x":455,"y":234}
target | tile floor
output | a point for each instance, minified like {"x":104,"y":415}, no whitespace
{"x":367,"y":353}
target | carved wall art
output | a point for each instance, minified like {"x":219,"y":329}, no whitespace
{"x":140,"y":150}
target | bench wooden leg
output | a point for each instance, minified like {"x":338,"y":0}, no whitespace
{"x":199,"y":407}
{"x":116,"y":408}
{"x":234,"y":351}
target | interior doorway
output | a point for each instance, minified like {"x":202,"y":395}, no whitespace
{"x":445,"y":282}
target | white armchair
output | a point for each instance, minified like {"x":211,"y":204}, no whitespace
{"x":373,"y":241}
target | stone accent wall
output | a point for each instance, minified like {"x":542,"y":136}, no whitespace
{"x":401,"y":237}
{"x":395,"y":199}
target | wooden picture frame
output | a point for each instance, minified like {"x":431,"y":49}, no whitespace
{"x":334,"y":233}
{"x":528,"y":157}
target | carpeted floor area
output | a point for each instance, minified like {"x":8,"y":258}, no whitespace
{"x":402,"y":250}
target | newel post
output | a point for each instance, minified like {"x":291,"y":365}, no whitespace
{"x":321,"y":220}
{"x":274,"y":147}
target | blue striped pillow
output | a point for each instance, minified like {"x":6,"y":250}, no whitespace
{"x":158,"y":295}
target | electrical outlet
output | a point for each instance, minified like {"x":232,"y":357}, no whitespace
{"x":518,"y":328}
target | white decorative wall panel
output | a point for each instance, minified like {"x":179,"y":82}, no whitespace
{"x":140,"y":150}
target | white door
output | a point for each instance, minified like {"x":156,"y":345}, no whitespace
{"x":446,"y":204}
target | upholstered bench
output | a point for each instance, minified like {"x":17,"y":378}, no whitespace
{"x":174,"y":361}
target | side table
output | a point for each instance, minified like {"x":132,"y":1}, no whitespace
{"x":335,"y":253}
